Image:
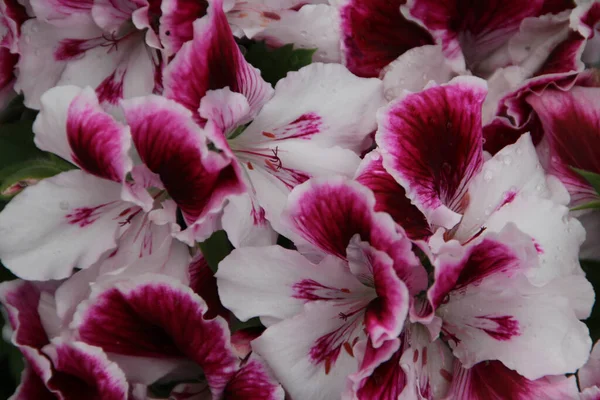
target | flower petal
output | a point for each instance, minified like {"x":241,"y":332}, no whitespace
{"x":154,"y":303}
{"x":385,"y":315}
{"x":72,"y":125}
{"x":323,"y":35}
{"x":471,"y":35}
{"x":57,"y":10}
{"x":60,"y":223}
{"x":331,"y":107}
{"x":32,"y":387}
{"x":212,"y":60}
{"x":318,"y":355}
{"x":327,"y":213}
{"x":414,"y":69}
{"x":431,"y":144}
{"x":391,"y":198}
{"x":559,"y":112}
{"x":174,"y":147}
{"x":273,"y":283}
{"x":379,"y":375}
{"x":493,"y":380}
{"x":375,"y":33}
{"x":253,"y":381}
{"x":177,"y":22}
{"x":204,"y":284}
{"x":531,"y":330}
{"x":589,"y":374}
{"x":245,"y":223}
{"x":83,"y":370}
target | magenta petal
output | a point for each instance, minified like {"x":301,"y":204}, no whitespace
{"x":431,"y":144}
{"x":475,"y":30}
{"x":456,"y":268}
{"x":380,"y":375}
{"x":492,"y":380}
{"x":571,"y":124}
{"x":32,"y":387}
{"x":253,"y":381}
{"x":391,"y":198}
{"x":385,"y":315}
{"x":143,"y":317}
{"x":375,"y":33}
{"x":204,"y":284}
{"x":83,"y":371}
{"x":329,"y":212}
{"x":177,"y":22}
{"x":174,"y":147}
{"x":98,"y":142}
{"x":212,"y":60}
{"x":21,"y":300}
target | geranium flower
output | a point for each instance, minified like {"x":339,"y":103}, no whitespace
{"x":210,"y":77}
{"x":360,"y":289}
{"x":12,"y":16}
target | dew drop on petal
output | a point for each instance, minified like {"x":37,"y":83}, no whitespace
{"x":487,"y":175}
{"x":64,"y":205}
{"x":507,"y":160}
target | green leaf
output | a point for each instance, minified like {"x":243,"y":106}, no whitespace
{"x":274,"y":64}
{"x":215,"y":249}
{"x":14,"y":178}
{"x":592,"y":178}
{"x":16,"y":143}
{"x":591,"y":205}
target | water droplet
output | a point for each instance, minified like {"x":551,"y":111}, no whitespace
{"x":389,"y":94}
{"x":483,"y":140}
{"x":448,"y":125}
{"x":554,"y":159}
{"x":35,"y":28}
{"x":487,"y":175}
{"x":27,"y":39}
{"x":64,"y":205}
{"x":538,"y":188}
{"x":375,"y":156}
{"x":304,"y":33}
{"x":507,"y":160}
{"x":488,"y":211}
{"x":519,"y":151}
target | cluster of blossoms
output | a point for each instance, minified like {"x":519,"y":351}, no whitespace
{"x":400,"y":209}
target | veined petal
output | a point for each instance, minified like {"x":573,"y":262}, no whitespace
{"x":83,"y":370}
{"x":177,"y":22}
{"x":57,"y":10}
{"x":273,"y":283}
{"x":386,"y":313}
{"x":572,"y":131}
{"x":245,"y":223}
{"x":512,"y":325}
{"x":375,"y":33}
{"x":212,"y":60}
{"x":391,"y":198}
{"x":431,"y":144}
{"x":379,"y":375}
{"x":153,"y":304}
{"x":60,"y":223}
{"x":321,"y":355}
{"x":470,"y":35}
{"x":328,"y":212}
{"x":174,"y":147}
{"x":324,"y":111}
{"x":72,"y":125}
{"x":493,"y":380}
{"x":323,"y":35}
{"x":204,"y":284}
{"x":274,"y":170}
{"x":253,"y":381}
{"x":32,"y":387}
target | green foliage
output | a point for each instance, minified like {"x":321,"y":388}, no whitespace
{"x":274,"y":64}
{"x":594,"y":180}
{"x":215,"y":249}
